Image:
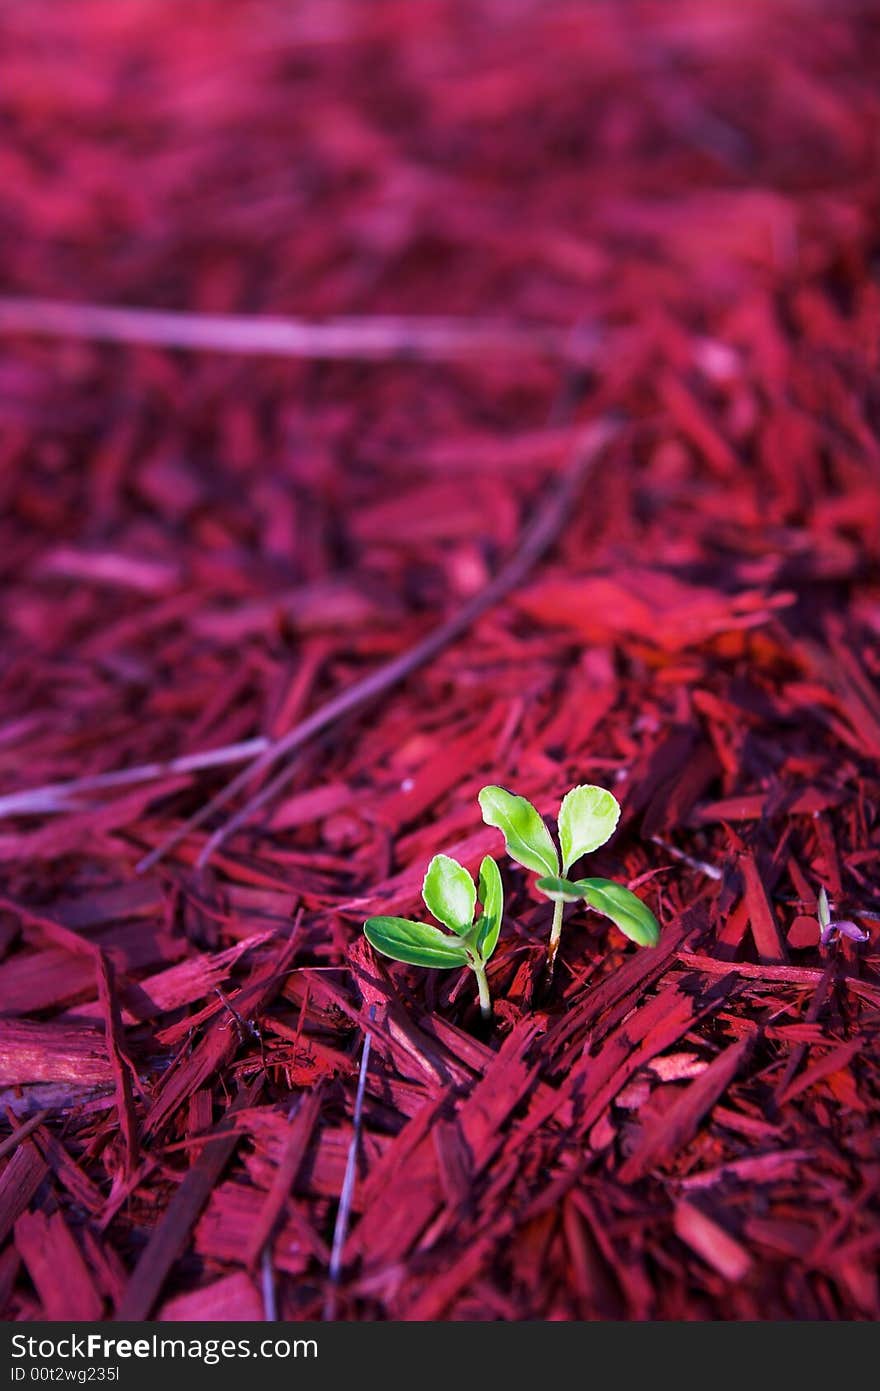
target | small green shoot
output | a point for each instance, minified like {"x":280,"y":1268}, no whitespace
{"x":451,"y":896}
{"x":823,"y":913}
{"x":588,"y":816}
{"x":831,"y":930}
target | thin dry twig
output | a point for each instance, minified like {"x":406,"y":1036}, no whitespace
{"x":267,"y":1287}
{"x":373,"y":339}
{"x":55,"y":797}
{"x":23,"y":1131}
{"x":343,"y":1215}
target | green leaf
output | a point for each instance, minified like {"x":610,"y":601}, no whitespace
{"x":823,"y":912}
{"x":631,"y":915}
{"x":492,"y":899}
{"x":587,"y":818}
{"x":525,"y":835}
{"x":449,"y":893}
{"x":415,"y":943}
{"x":557,"y":888}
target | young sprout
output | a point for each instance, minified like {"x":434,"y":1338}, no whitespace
{"x":451,"y":896}
{"x":587,"y":818}
{"x":830,"y":930}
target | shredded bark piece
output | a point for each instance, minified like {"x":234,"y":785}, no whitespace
{"x":396,"y":399}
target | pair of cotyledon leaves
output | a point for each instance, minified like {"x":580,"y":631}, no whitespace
{"x":451,"y":896}
{"x":587,"y":818}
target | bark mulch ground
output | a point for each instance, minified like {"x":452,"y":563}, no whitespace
{"x":557,"y":325}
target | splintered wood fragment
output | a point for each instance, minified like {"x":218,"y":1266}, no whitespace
{"x":711,"y":1242}
{"x":57,"y":1267}
{"x":69,"y":1173}
{"x":625,"y":986}
{"x":296,"y":1145}
{"x":55,"y":932}
{"x":581,"y":1260}
{"x":676,"y":1127}
{"x":397,"y":1212}
{"x":397,"y":1032}
{"x":23,"y":1131}
{"x":171,"y":1233}
{"x":834,"y":1061}
{"x":453,"y":1162}
{"x":627,"y":1273}
{"x":223,"y":1232}
{"x":221,"y":1040}
{"x":799,"y":1052}
{"x":19,"y":1182}
{"x":857,"y":692}
{"x":52,"y":976}
{"x":762,"y":920}
{"x":189,"y":980}
{"x":52,"y":1052}
{"x":398,"y":1155}
{"x":751,"y":806}
{"x":788,"y":1238}
{"x":230,"y":1300}
{"x":805,"y":976}
{"x":759,"y":1168}
{"x":595,"y":1081}
{"x":120,"y":1064}
{"x":429,"y":1300}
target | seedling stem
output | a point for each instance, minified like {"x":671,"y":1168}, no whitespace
{"x":483,"y":992}
{"x":555,"y":934}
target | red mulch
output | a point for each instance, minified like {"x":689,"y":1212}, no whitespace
{"x":202,"y":547}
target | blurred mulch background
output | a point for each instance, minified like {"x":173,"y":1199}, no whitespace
{"x":655,"y":222}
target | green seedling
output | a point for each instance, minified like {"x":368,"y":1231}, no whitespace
{"x":588,"y":816}
{"x":451,"y":896}
{"x":831,"y":930}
